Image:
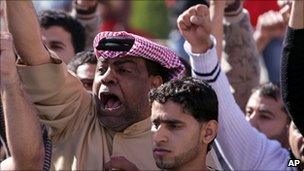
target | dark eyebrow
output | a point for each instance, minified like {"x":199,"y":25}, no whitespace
{"x":57,"y":42}
{"x":167,"y":121}
{"x":120,"y":62}
{"x":266,"y":111}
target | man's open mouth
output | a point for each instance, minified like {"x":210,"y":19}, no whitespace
{"x":110,"y":101}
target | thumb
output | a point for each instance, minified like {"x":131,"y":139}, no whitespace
{"x":196,"y":20}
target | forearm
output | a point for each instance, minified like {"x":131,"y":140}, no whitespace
{"x":217,"y":16}
{"x":24,"y":26}
{"x":242,"y":56}
{"x":260,"y":41}
{"x":22,"y":128}
{"x":297,"y":15}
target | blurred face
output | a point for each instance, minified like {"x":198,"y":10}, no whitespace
{"x":176,"y":138}
{"x":267,"y":116}
{"x":86,"y":73}
{"x":121,"y":89}
{"x":296,"y":142}
{"x":60,"y":41}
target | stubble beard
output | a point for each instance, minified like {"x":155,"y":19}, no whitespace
{"x":178,"y":161}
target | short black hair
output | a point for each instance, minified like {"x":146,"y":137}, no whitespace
{"x":155,"y":68}
{"x":81,"y":58}
{"x":196,"y":97}
{"x":49,"y":18}
{"x":271,"y":91}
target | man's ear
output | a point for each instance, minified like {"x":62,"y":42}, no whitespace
{"x":209,"y":131}
{"x":156,"y":81}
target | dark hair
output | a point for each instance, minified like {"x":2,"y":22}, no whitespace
{"x":269,"y":90}
{"x":81,"y":58}
{"x":196,"y":97}
{"x":155,"y":68}
{"x":49,"y":18}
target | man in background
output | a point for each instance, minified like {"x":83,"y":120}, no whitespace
{"x":266,"y":112}
{"x":62,"y":33}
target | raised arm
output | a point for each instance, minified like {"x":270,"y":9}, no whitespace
{"x":244,"y":147}
{"x":240,"y":60}
{"x":292,"y":70}
{"x":217,"y":16}
{"x":58,"y":96}
{"x":24,"y":26}
{"x":21,"y":121}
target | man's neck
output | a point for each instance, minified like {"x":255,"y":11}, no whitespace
{"x":197,"y":164}
{"x":197,"y":167}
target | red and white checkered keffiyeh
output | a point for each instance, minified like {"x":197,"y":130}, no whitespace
{"x":145,"y":48}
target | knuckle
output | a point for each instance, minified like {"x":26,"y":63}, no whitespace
{"x":184,"y":17}
{"x":179,"y":19}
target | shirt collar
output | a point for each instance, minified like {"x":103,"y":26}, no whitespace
{"x":138,"y":128}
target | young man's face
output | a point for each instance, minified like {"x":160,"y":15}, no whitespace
{"x":121,"y":89}
{"x":176,"y":137}
{"x":86,"y":73}
{"x":267,"y":116}
{"x":60,"y":41}
{"x":296,"y":141}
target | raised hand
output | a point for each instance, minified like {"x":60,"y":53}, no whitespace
{"x":270,"y":25}
{"x":195,"y":26}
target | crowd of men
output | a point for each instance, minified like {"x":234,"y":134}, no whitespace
{"x":130,"y":103}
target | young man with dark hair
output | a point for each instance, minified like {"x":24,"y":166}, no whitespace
{"x":62,"y":33}
{"x":266,"y":112}
{"x":184,"y":117}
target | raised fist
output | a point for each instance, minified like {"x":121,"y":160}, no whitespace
{"x":271,"y":24}
{"x":195,"y":26}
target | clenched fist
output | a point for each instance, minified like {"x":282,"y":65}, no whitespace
{"x":195,"y":26}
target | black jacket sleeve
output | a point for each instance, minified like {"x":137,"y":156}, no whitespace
{"x":292,"y":76}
